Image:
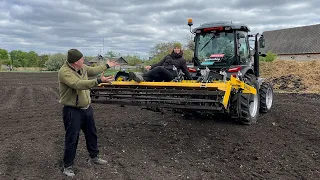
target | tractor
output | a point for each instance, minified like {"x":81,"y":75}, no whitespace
{"x":225,"y":78}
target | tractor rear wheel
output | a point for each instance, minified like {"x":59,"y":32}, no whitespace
{"x":266,"y":97}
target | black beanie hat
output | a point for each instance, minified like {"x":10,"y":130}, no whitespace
{"x":74,"y":55}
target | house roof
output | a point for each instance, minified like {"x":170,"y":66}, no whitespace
{"x":120,"y":60}
{"x":99,"y":58}
{"x":298,"y":40}
{"x":96,"y":59}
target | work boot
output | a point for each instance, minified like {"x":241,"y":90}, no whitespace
{"x":68,"y":171}
{"x":136,"y":76}
{"x":97,"y":160}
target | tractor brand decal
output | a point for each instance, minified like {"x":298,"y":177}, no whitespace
{"x":207,"y":63}
{"x":215,"y":57}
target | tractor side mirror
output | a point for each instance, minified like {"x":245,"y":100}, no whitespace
{"x":262,"y":42}
{"x":263,"y":55}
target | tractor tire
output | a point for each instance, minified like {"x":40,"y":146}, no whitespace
{"x":245,"y":107}
{"x":266,"y":97}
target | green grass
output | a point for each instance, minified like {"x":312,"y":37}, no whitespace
{"x":26,"y":69}
{"x":110,"y":72}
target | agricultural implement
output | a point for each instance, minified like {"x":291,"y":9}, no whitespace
{"x":225,"y":78}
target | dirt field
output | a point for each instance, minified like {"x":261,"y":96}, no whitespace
{"x":140,"y":144}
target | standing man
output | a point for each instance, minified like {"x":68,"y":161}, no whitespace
{"x":74,"y":91}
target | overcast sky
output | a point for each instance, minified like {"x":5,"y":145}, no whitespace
{"x":134,"y":26}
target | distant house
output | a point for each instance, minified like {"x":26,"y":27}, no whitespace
{"x":95,"y":60}
{"x":123,"y":63}
{"x":120,"y":60}
{"x":298,"y":43}
{"x":99,"y":58}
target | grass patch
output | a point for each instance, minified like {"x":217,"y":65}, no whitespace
{"x":27,"y":69}
{"x":110,"y":72}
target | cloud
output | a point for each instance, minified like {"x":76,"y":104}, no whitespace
{"x":134,"y":26}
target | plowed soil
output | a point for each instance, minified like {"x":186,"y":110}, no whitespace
{"x":141,"y":144}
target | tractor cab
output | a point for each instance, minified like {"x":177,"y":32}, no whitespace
{"x":223,"y":46}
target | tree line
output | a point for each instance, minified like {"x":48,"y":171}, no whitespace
{"x":52,"y":62}
{"x":18,"y":58}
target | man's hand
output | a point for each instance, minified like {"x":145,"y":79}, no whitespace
{"x":112,"y":63}
{"x":147,"y":68}
{"x":106,"y":79}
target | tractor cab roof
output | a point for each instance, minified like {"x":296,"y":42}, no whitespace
{"x":222,"y":26}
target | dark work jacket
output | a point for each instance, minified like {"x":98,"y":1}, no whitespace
{"x":176,"y":60}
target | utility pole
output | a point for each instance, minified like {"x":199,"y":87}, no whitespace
{"x":102,"y":46}
{"x":11,"y":69}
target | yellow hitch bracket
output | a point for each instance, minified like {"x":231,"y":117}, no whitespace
{"x":236,"y":83}
{"x":247,"y":89}
{"x":227,"y":94}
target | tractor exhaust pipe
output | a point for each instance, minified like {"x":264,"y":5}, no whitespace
{"x":256,"y":56}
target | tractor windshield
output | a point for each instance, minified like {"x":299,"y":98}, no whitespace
{"x":215,"y":47}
